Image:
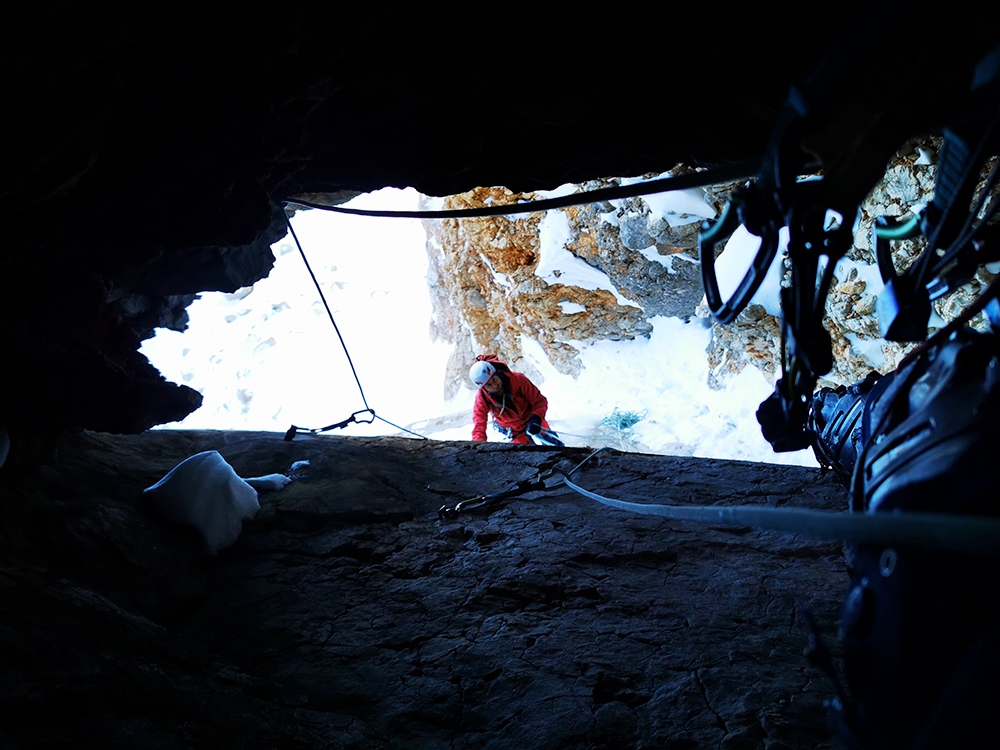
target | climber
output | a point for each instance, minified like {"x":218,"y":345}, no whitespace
{"x":517,"y":406}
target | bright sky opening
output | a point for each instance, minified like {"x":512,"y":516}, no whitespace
{"x":269,"y":358}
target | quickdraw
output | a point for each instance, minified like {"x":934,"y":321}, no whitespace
{"x":545,"y":480}
{"x":548,"y":479}
{"x":294,"y":430}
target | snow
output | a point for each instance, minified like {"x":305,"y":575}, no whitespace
{"x":863,"y":271}
{"x":571,"y":308}
{"x":871,"y":348}
{"x":557,"y":265}
{"x":567,"y":189}
{"x":268,"y":482}
{"x":205,"y":492}
{"x":270,"y":358}
{"x":678,"y":207}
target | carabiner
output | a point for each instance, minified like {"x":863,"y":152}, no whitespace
{"x":714,"y":231}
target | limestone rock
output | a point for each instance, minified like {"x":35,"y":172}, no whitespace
{"x":489,"y":287}
{"x":489,"y":294}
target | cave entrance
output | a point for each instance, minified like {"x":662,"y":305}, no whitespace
{"x":266,"y":357}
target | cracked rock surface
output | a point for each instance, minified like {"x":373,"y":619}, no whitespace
{"x":351,"y":614}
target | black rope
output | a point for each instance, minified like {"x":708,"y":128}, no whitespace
{"x":713,"y":176}
{"x":353,"y":418}
{"x":328,"y":311}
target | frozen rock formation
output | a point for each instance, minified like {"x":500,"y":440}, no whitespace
{"x":585,"y":273}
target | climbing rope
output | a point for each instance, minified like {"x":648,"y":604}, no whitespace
{"x":967,"y":534}
{"x":587,"y":438}
{"x":294,"y":429}
{"x":618,"y":423}
{"x":623,"y":420}
{"x":707,"y":177}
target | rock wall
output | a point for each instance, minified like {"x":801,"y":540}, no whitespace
{"x":150,"y":153}
{"x":491,"y":285}
{"x":489,"y":290}
{"x":350,"y":614}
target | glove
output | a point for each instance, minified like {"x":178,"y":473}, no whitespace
{"x":534,"y":425}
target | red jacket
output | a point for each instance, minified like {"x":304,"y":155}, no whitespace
{"x":519,"y":401}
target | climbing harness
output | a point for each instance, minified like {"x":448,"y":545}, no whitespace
{"x":507,"y":432}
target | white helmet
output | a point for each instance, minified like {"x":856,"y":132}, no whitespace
{"x":481,"y":372}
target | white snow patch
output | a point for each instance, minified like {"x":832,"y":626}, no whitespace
{"x":871,"y":349}
{"x":676,"y":207}
{"x":557,"y":265}
{"x":680,"y":207}
{"x":268,"y":482}
{"x":667,"y":261}
{"x":499,"y":278}
{"x":204,"y":491}
{"x":559,"y":192}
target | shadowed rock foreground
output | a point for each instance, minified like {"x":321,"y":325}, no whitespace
{"x":348,"y":614}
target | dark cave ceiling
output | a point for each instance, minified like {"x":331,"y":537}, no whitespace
{"x":148,"y":154}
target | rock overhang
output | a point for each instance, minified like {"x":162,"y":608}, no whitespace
{"x":154,"y":155}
